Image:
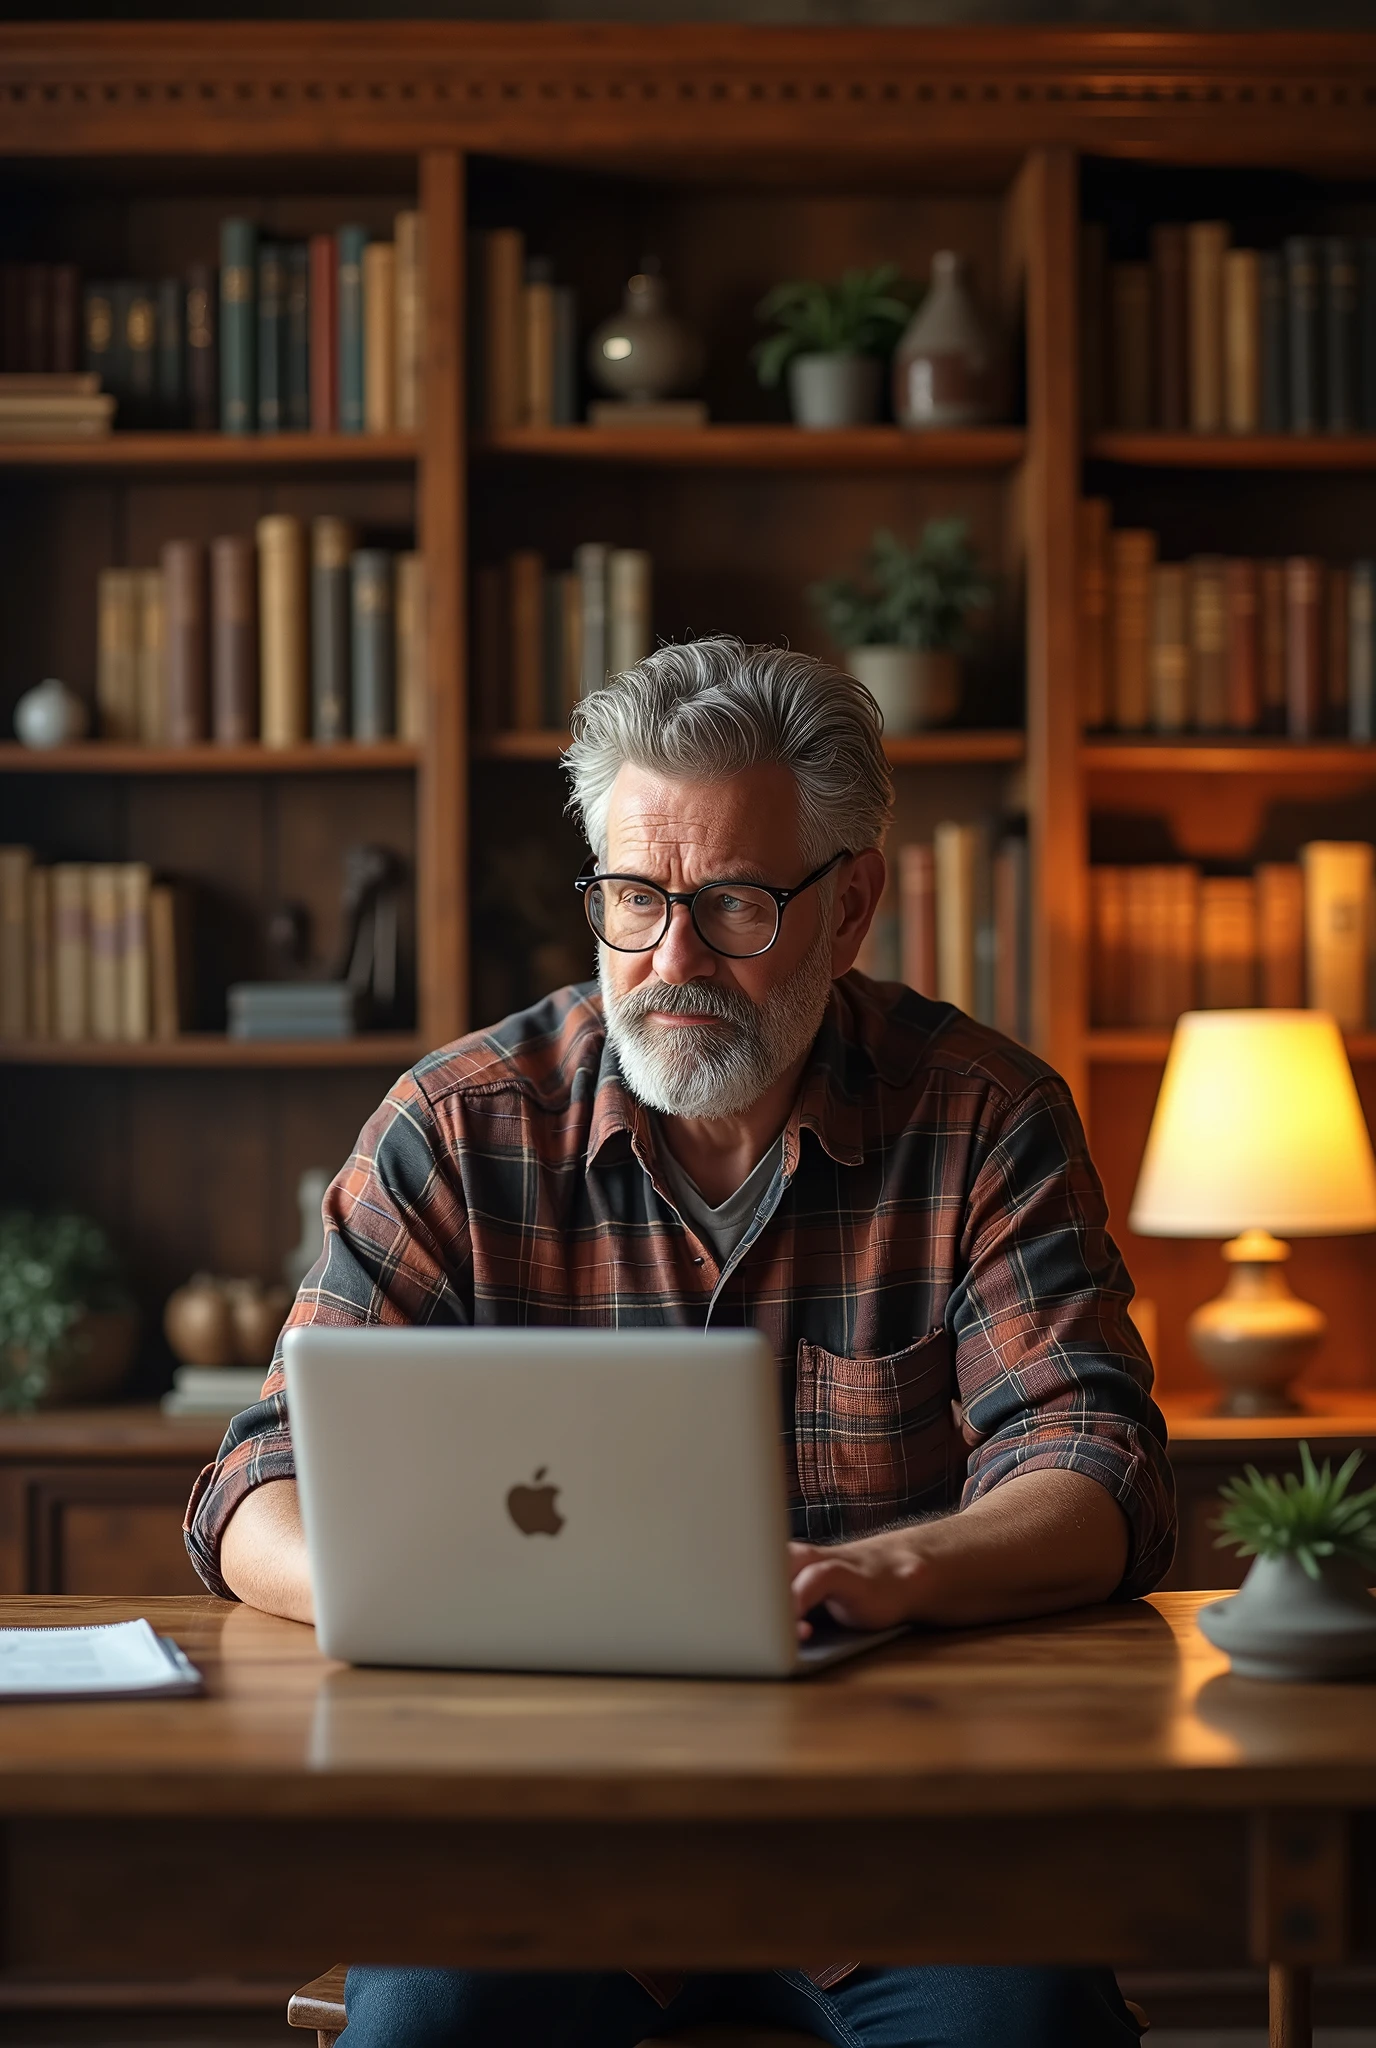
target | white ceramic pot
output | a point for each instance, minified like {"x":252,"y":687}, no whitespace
{"x":1285,"y":1625}
{"x":835,"y":390}
{"x":914,"y":687}
{"x":49,"y":715}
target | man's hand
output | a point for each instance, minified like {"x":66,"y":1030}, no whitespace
{"x":1040,"y":1542}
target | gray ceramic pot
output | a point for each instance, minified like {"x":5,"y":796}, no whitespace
{"x":835,"y":391}
{"x":914,"y":687}
{"x":1285,"y":1625}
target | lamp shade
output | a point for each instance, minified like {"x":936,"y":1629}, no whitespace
{"x":1257,"y":1127}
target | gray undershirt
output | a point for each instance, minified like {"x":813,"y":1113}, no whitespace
{"x":722,"y":1228}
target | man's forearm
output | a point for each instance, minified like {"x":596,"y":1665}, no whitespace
{"x":263,"y":1552}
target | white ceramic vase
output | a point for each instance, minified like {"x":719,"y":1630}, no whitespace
{"x":1285,"y":1625}
{"x":947,"y":368}
{"x":49,"y":715}
{"x":914,"y":687}
{"x":835,"y":390}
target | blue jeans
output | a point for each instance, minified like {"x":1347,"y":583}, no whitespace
{"x":934,"y":2007}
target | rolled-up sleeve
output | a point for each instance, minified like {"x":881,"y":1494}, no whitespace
{"x":1052,"y":1373}
{"x":396,"y":1251}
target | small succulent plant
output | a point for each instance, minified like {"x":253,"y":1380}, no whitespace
{"x":862,"y":314}
{"x":918,"y":596}
{"x":1309,"y":1515}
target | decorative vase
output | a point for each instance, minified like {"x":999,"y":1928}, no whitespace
{"x":49,"y":715}
{"x":257,"y":1313}
{"x":946,"y":369}
{"x":834,"y":390}
{"x":1285,"y":1625}
{"x":310,"y":1193}
{"x":914,"y":687}
{"x":199,"y":1323}
{"x":94,"y":1358}
{"x":644,"y":353}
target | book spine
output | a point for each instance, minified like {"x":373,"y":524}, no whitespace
{"x":352,"y":241}
{"x":565,"y":356}
{"x":272,"y":342}
{"x":1180,"y":966}
{"x":1366,"y":331}
{"x":332,"y":543}
{"x":1012,"y":931}
{"x":629,"y":606}
{"x":379,"y":336}
{"x":297,"y":415}
{"x":1227,"y":943}
{"x":282,"y":630}
{"x":1340,"y":334}
{"x":525,"y":571}
{"x":1361,"y":651}
{"x":409,"y":232}
{"x":1241,"y":598}
{"x":71,"y":953}
{"x":168,"y":962}
{"x":917,"y":918}
{"x":1169,"y":301}
{"x":411,"y":656}
{"x":1205,"y":242}
{"x":187,"y":649}
{"x":1302,"y":332}
{"x":64,"y":348}
{"x":238,"y":330}
{"x":141,"y":350}
{"x":590,"y":562}
{"x":16,"y":866}
{"x":117,"y":369}
{"x":12,"y":315}
{"x":1336,"y":653}
{"x":135,"y":1020}
{"x":1280,"y":935}
{"x":570,"y":645}
{"x":1271,"y":645}
{"x":40,"y":953}
{"x":1241,"y":341}
{"x":152,"y":656}
{"x":1109,"y":996}
{"x":373,"y":644}
{"x":1304,"y":666}
{"x":552,"y":653}
{"x":1273,"y":325}
{"x":171,"y":371}
{"x":537,"y":307}
{"x":490,"y":661}
{"x":324,"y":331}
{"x":98,"y":332}
{"x":233,"y":640}
{"x":1337,"y":926}
{"x":117,"y":654}
{"x":1132,"y":552}
{"x":503,"y":268}
{"x":1093,"y":648}
{"x":37,"y":317}
{"x":202,"y":349}
{"x":1170,"y":647}
{"x":1093,"y":270}
{"x":1130,"y":325}
{"x":955,"y":858}
{"x":105,"y":991}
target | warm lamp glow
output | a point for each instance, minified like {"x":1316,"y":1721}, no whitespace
{"x":1257,"y":1126}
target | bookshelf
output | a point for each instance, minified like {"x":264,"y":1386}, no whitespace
{"x":764,"y":447}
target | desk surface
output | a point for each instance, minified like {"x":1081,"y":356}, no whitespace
{"x":1124,"y":1707}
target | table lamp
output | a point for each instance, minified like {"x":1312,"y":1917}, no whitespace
{"x":1257,"y":1129}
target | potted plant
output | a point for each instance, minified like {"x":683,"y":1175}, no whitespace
{"x":1304,"y":1610}
{"x":833,"y":340}
{"x":904,"y":627}
{"x":68,"y":1327}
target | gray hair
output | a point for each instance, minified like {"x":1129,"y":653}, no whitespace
{"x":710,"y":708}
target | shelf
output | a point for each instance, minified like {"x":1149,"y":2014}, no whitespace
{"x":212,"y":1049}
{"x":1241,"y":756}
{"x":214,"y":451}
{"x":767,"y":447}
{"x":905,"y":750}
{"x":117,"y":757}
{"x":1235,"y":451}
{"x":1139,"y":1047}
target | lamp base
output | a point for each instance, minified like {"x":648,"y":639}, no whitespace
{"x":1256,"y":1335}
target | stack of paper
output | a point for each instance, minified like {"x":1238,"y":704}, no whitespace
{"x":115,"y":1660}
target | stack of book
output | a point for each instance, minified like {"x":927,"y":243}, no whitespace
{"x":541,"y":638}
{"x":1165,"y":938}
{"x":525,"y":351}
{"x":45,"y":406}
{"x":40,"y":317}
{"x":954,"y":924}
{"x":1207,"y":338}
{"x":292,"y":1009}
{"x":90,"y":950}
{"x":288,"y":636}
{"x":213,"y":1389}
{"x":1222,"y":643}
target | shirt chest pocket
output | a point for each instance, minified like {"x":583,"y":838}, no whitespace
{"x":874,"y":1438}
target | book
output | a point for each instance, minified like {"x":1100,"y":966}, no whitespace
{"x":71,"y":953}
{"x":104,"y":990}
{"x":525,"y":570}
{"x":272,"y":344}
{"x":213,"y":1390}
{"x":629,"y":633}
{"x":502,"y":258}
{"x":11,"y":316}
{"x":1132,"y":553}
{"x":233,"y":640}
{"x":1094,"y":651}
{"x":1366,"y":332}
{"x":1242,"y":641}
{"x":1304,"y":663}
{"x":117,"y":654}
{"x":1170,"y":326}
{"x":1273,"y":315}
{"x":37,"y":317}
{"x":186,"y":633}
{"x":1011,"y":939}
{"x":64,"y":351}
{"x":332,"y":543}
{"x":171,"y":353}
{"x":283,"y":672}
{"x":116,"y":378}
{"x":379,"y":336}
{"x":411,"y":655}
{"x":565,"y":356}
{"x":1335,"y":652}
{"x":351,"y":243}
{"x":202,"y":349}
{"x":1130,"y":330}
{"x":917,"y":918}
{"x":1341,"y":402}
{"x":552,"y":714}
{"x":323,"y":256}
{"x":297,"y":372}
{"x":590,"y":562}
{"x":1280,"y":935}
{"x":55,"y":419}
{"x":141,"y":356}
{"x":1227,"y":942}
{"x":1149,"y":902}
{"x":1205,"y":242}
{"x":169,"y":961}
{"x":1241,"y":341}
{"x":1208,"y":643}
{"x":1094,"y":408}
{"x":98,"y":332}
{"x":16,"y":865}
{"x":1271,"y":645}
{"x":151,"y":686}
{"x":1109,"y":981}
{"x":238,"y":327}
{"x":537,"y":313}
{"x":40,"y":953}
{"x":956,"y":857}
{"x":97,"y":1661}
{"x":1171,"y":708}
{"x":489,"y":649}
{"x":409,"y":232}
{"x":1361,"y":651}
{"x":133,"y":881}
{"x":372,"y":645}
{"x":1337,"y":927}
{"x":1302,"y":291}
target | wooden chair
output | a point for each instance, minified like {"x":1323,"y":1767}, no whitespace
{"x":320,"y":2004}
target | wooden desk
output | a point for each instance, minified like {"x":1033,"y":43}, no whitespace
{"x":1091,"y":1789}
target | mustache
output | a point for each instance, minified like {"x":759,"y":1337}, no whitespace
{"x":686,"y":999}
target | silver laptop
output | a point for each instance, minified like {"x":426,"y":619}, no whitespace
{"x":548,"y":1500}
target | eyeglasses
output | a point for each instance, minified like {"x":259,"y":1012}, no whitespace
{"x":736,"y":919}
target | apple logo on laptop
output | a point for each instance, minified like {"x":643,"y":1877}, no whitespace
{"x":532,"y":1507}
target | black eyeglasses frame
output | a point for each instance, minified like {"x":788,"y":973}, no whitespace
{"x":782,"y":898}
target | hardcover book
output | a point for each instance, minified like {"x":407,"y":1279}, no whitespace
{"x":1303,"y":333}
{"x":283,"y":632}
{"x":186,"y":623}
{"x":373,"y":645}
{"x":272,"y":337}
{"x":332,"y":543}
{"x":1205,"y":242}
{"x":202,"y":349}
{"x":233,"y":640}
{"x":352,"y":241}
{"x":238,"y":330}
{"x":1171,"y":327}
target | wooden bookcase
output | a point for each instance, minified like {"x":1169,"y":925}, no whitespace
{"x":740,"y":156}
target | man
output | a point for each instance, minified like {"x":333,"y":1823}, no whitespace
{"x":738,"y":1130}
